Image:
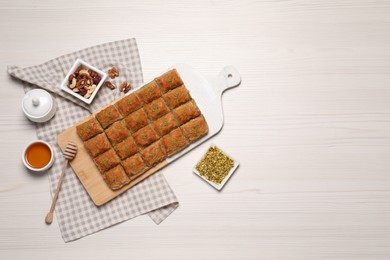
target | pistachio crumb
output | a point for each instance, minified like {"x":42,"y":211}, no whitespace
{"x":215,"y":165}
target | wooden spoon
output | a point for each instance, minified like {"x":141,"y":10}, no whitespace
{"x":69,"y":154}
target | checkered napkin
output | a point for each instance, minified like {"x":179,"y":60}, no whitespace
{"x":76,"y":214}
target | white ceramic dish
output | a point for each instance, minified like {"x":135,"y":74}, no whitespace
{"x":38,"y":105}
{"x":215,"y":185}
{"x":47,"y":166}
{"x":64,"y":84}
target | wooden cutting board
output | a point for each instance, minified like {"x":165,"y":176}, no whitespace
{"x":206,"y":92}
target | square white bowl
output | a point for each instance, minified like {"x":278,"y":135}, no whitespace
{"x":215,"y":185}
{"x":64,"y":84}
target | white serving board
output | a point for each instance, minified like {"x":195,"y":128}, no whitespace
{"x":207,"y":93}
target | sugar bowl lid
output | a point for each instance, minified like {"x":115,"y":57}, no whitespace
{"x":38,"y":105}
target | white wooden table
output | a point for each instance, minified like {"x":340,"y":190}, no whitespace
{"x":310,"y":125}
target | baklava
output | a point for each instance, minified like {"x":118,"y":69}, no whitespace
{"x":169,"y":80}
{"x":89,"y":129}
{"x":156,"y":109}
{"x":108,"y":116}
{"x":176,"y":97}
{"x":165,"y":124}
{"x":128,"y":104}
{"x":140,"y":130}
{"x":145,"y":136}
{"x":195,"y":129}
{"x":153,"y":154}
{"x":186,"y":112}
{"x":149,"y":92}
{"x":117,"y":132}
{"x":174,"y":142}
{"x":107,"y":160}
{"x":116,"y":178}
{"x":97,"y":145}
{"x":126,"y":148}
{"x":136,"y":120}
{"x":134,"y":166}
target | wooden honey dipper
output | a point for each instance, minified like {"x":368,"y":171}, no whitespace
{"x":69,"y":154}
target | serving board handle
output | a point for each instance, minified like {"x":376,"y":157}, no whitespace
{"x":229,"y":77}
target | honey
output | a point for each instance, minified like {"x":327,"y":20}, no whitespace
{"x":38,"y":155}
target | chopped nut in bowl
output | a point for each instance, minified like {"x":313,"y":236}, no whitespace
{"x":83,"y":81}
{"x":216,"y":167}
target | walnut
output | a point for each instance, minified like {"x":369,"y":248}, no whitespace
{"x":96,"y":79}
{"x":113,"y":72}
{"x":83,"y":91}
{"x":123,"y":86}
{"x":92,"y":73}
{"x":127,"y":89}
{"x":83,"y":80}
{"x":110,"y":85}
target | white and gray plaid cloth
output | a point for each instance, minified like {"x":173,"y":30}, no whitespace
{"x":76,"y":214}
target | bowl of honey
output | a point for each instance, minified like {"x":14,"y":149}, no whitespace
{"x":38,"y":156}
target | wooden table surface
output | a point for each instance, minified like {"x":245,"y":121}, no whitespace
{"x":309,"y":124}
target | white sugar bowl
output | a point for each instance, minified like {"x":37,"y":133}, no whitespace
{"x":38,"y":105}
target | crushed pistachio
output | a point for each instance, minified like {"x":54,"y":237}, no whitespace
{"x":215,"y":165}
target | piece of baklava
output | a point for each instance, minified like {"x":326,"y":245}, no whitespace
{"x":195,"y":129}
{"x":186,"y":112}
{"x":169,"y":80}
{"x":108,"y":116}
{"x":107,"y":160}
{"x":149,"y":92}
{"x":97,"y":145}
{"x":165,"y":124}
{"x":116,"y":178}
{"x":126,"y":148}
{"x":177,"y":96}
{"x":174,"y":142}
{"x":145,"y":136}
{"x":136,"y":120}
{"x":117,"y":132}
{"x":156,"y":109}
{"x":134,"y":166}
{"x":153,"y":154}
{"x":89,"y":129}
{"x":128,"y":104}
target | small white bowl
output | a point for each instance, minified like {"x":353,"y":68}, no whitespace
{"x":215,"y":185}
{"x":38,"y":105}
{"x":64,"y":84}
{"x":47,"y":166}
